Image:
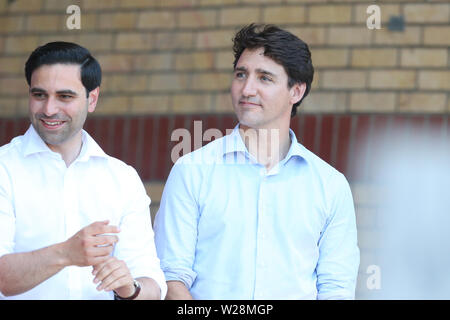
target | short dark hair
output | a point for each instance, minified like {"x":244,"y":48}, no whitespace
{"x":281,"y":46}
{"x":66,"y":53}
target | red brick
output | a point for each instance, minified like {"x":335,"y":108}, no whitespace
{"x":162,"y":148}
{"x":308,"y":135}
{"x":343,"y":143}
{"x":194,"y":142}
{"x":211,"y":122}
{"x":295,"y":125}
{"x":228,"y":122}
{"x":9,"y":130}
{"x":326,"y":138}
{"x":90,"y":126}
{"x":380,"y":135}
{"x":132,"y":146}
{"x":178,"y":122}
{"x":102,"y":132}
{"x":2,"y":132}
{"x":118,"y":133}
{"x":148,"y":157}
{"x":22,"y":126}
{"x":359,"y":153}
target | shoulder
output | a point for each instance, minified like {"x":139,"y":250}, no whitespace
{"x":121,"y":169}
{"x":103,"y":161}
{"x":11,"y":161}
{"x":330,"y":181}
{"x":330,"y":184}
{"x":208,"y":154}
{"x":192,"y":168}
{"x":322,"y":168}
{"x":11,"y":151}
{"x":123,"y":178}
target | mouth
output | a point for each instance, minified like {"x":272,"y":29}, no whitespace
{"x":248,"y":104}
{"x":52,"y":124}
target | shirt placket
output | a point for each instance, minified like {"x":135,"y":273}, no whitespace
{"x":72,"y":226}
{"x":261,"y":238}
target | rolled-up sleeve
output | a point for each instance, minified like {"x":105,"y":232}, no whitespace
{"x":7,"y":216}
{"x":136,"y":244}
{"x":338,"y":263}
{"x":176,"y":225}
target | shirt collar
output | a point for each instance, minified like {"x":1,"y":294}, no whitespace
{"x":234,"y":143}
{"x":296,"y":149}
{"x":33,"y":143}
{"x":90,"y":148}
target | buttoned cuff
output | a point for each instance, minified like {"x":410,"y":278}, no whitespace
{"x":159,"y":280}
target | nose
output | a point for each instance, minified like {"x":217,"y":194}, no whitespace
{"x":50,"y":107}
{"x":249,"y":89}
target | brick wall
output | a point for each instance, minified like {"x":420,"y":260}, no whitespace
{"x":167,"y":63}
{"x":174,"y":56}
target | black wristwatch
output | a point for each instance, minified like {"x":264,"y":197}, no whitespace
{"x":137,"y":289}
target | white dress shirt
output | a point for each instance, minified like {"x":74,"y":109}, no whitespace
{"x":43,"y":202}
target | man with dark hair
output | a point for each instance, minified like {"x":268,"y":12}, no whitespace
{"x":255,"y":215}
{"x":74,"y":222}
{"x":282,"y":47}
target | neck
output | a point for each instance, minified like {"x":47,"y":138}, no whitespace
{"x":267,"y":145}
{"x":70,"y":149}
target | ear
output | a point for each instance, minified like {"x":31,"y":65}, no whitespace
{"x":297,"y":91}
{"x":93,"y":98}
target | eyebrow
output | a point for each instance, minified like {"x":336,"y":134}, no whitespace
{"x":66,"y":91}
{"x":39,"y":90}
{"x":240,"y":69}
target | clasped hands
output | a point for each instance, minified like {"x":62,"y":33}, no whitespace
{"x":92,"y":246}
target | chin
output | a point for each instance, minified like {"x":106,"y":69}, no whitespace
{"x":249,"y":119}
{"x":53,"y":140}
{"x":250,"y":123}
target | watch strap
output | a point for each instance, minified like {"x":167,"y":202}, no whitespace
{"x":137,"y":289}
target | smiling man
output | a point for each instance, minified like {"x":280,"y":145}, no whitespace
{"x":255,"y":215}
{"x":74,"y":222}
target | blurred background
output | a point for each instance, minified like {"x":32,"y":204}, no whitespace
{"x":378,"y":110}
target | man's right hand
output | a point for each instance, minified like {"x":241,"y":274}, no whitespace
{"x":22,"y":271}
{"x":91,"y":245}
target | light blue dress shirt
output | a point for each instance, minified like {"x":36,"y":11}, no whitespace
{"x":228,"y":229}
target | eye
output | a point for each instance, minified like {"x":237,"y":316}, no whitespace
{"x":38,"y":95}
{"x":239,"y":75}
{"x":266,"y":78}
{"x":65,"y":97}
